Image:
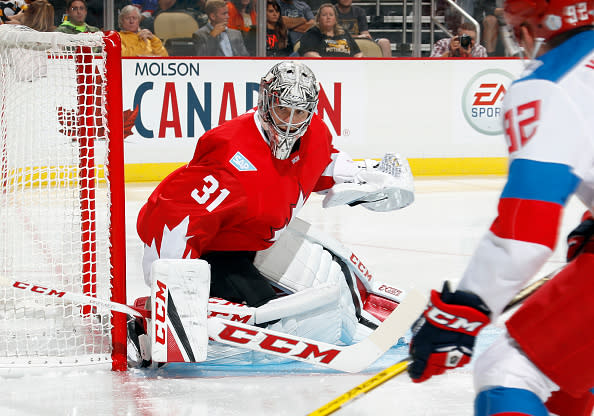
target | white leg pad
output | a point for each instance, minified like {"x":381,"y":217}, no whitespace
{"x":298,"y":265}
{"x":179,"y":299}
{"x":298,"y":303}
{"x":294,"y":263}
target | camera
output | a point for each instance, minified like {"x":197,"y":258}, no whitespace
{"x":465,"y":41}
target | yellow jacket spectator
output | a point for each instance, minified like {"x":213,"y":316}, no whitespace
{"x":136,"y":41}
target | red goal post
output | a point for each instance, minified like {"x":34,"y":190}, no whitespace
{"x":62,"y":199}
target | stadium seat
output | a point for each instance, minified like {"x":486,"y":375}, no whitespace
{"x":175,"y":29}
{"x":369,"y":48}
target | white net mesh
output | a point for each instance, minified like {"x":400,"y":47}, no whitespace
{"x":54,"y":203}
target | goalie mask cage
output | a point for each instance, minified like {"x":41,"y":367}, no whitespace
{"x":62,"y":215}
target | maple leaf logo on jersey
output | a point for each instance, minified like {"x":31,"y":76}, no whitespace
{"x":275,"y":233}
{"x":173,"y":242}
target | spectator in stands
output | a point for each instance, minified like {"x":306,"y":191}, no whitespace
{"x":198,"y":12}
{"x":461,"y":46}
{"x":354,"y":20}
{"x":277,"y":35}
{"x":31,"y":64}
{"x":136,"y":41}
{"x":242,"y":17}
{"x":59,"y":11}
{"x":488,"y":15}
{"x":215,"y":38}
{"x":146,"y":7}
{"x":298,"y":18}
{"x":8,"y":9}
{"x":38,"y":15}
{"x":172,"y":6}
{"x":327,"y":38}
{"x":77,"y":15}
{"x":95,"y":13}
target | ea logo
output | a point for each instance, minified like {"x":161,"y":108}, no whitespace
{"x":481,"y":100}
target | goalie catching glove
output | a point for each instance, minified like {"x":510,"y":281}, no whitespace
{"x":377,"y":186}
{"x":444,"y":335}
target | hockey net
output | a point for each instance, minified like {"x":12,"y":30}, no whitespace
{"x":61,"y":198}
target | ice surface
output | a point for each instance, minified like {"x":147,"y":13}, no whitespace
{"x":417,"y":247}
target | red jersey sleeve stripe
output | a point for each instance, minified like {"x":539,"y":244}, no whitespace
{"x":528,"y":220}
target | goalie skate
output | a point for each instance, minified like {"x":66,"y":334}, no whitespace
{"x":139,"y":355}
{"x":139,"y":347}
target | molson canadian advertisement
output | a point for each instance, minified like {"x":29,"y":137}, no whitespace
{"x":425,"y":109}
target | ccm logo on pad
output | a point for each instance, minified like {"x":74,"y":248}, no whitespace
{"x":160,"y":307}
{"x":360,"y":266}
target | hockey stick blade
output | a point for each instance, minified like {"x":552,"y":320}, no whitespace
{"x":351,"y":359}
{"x":402,"y":366}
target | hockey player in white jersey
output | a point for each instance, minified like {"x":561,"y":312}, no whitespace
{"x":545,"y":360}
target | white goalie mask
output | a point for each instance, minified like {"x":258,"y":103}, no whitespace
{"x":287,"y":100}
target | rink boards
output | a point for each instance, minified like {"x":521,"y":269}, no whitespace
{"x":444,"y":115}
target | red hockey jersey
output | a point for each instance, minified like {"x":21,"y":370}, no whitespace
{"x":234,"y":195}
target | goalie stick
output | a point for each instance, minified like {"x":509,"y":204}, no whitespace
{"x":402,"y":365}
{"x":351,"y":358}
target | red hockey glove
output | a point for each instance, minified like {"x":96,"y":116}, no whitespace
{"x":580,"y":236}
{"x":444,"y":335}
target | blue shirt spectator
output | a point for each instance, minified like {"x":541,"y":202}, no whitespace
{"x":297,"y":16}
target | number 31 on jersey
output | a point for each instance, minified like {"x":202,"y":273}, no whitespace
{"x":520,"y":124}
{"x":210,"y":193}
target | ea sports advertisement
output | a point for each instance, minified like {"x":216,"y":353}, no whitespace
{"x":433,"y":111}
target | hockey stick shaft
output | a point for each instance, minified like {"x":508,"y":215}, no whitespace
{"x":401,"y":366}
{"x":352,"y":358}
{"x":43,"y":290}
{"x":219,"y":307}
{"x":525,"y":293}
{"x":362,"y":388}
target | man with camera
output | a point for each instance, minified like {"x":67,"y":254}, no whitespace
{"x":461,"y":46}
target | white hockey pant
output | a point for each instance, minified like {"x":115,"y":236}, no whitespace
{"x":504,"y":364}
